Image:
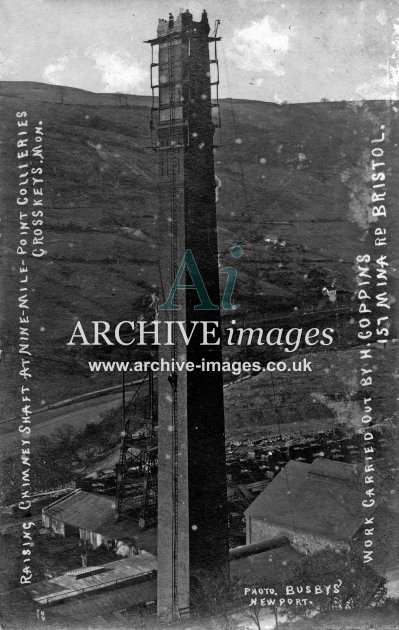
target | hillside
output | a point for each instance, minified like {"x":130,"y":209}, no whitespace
{"x":293,"y":193}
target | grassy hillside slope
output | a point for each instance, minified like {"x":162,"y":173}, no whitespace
{"x":293,"y":192}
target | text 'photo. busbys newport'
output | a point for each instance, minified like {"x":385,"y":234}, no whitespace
{"x":198,"y":315}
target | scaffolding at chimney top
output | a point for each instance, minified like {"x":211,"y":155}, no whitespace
{"x":158,"y":111}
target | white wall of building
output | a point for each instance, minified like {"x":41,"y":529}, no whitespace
{"x":304,"y":542}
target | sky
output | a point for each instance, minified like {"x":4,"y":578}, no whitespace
{"x":287,"y":50}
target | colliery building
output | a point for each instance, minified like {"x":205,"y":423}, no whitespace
{"x":92,"y":518}
{"x":315,"y":505}
{"x":97,"y":590}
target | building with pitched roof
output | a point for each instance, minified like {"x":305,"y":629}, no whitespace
{"x":84,"y":580}
{"x":92,"y":518}
{"x":89,"y":592}
{"x":315,"y":505}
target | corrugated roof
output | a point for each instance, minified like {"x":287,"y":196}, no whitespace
{"x":66,"y":585}
{"x":96,"y":513}
{"x":322,"y":498}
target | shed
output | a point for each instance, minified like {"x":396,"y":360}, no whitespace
{"x":93,"y":518}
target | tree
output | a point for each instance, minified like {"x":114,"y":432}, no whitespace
{"x":65,"y":441}
{"x":253,"y":612}
{"x":336,"y":579}
{"x":215,"y":597}
{"x":51,"y":459}
{"x":10,"y":479}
